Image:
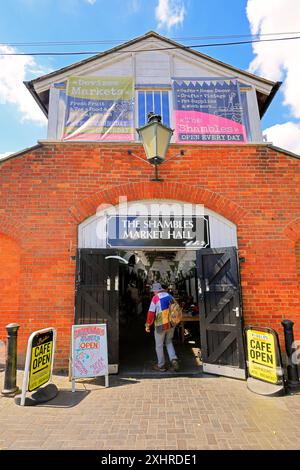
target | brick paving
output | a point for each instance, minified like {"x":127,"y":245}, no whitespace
{"x":174,"y":413}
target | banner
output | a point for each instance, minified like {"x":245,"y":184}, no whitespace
{"x":208,"y":111}
{"x":99,"y":108}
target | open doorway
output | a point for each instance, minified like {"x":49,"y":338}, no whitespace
{"x":176,"y":272}
{"x":102,"y":292}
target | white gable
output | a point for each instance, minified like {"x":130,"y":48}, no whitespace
{"x":139,"y":60}
{"x":151,"y":61}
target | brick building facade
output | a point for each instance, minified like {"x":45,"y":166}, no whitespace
{"x":46,"y":191}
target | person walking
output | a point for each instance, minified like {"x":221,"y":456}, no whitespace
{"x":159,"y":314}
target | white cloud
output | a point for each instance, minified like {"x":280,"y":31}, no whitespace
{"x":278,"y":60}
{"x":134,"y":6}
{"x":285,"y":135}
{"x":13,"y":71}
{"x":5,"y":154}
{"x":170,"y":13}
{"x":91,"y":2}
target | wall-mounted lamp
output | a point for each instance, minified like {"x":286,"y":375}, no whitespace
{"x":155,"y":138}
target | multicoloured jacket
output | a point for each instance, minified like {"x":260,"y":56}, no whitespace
{"x":159,"y":311}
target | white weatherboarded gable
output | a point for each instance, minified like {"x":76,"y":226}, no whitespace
{"x":152,"y":67}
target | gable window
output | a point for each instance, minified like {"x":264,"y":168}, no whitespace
{"x":156,"y":101}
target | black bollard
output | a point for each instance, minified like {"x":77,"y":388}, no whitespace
{"x":10,"y":377}
{"x":292,"y":368}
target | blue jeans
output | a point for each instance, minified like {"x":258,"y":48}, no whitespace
{"x":166,"y":337}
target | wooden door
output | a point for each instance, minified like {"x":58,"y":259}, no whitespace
{"x":221,"y":326}
{"x":97,"y":295}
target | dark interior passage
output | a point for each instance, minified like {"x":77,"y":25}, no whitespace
{"x":206,"y":283}
{"x":137,"y":348}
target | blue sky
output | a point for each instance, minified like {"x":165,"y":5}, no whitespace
{"x":119,"y":20}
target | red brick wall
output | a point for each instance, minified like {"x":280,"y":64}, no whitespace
{"x":298,"y":258}
{"x":10,"y":256}
{"x":45,"y":194}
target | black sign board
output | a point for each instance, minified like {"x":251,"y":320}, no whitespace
{"x":157,"y":231}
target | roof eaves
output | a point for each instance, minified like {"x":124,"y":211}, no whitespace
{"x":157,"y":36}
{"x":96,"y":56}
{"x":270,"y":97}
{"x":36,"y":97}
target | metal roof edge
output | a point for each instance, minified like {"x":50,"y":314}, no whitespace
{"x":286,"y":152}
{"x":41,"y":143}
{"x":20,"y":152}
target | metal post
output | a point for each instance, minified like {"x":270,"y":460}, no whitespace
{"x":10,"y":377}
{"x":292,"y":369}
{"x":156,"y":174}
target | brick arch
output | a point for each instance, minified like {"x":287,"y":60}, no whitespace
{"x":152,"y":190}
{"x":13,"y":229}
{"x":292,"y":230}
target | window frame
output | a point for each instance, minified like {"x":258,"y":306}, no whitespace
{"x":153,"y":88}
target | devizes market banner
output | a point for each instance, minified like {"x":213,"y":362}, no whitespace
{"x":208,"y":111}
{"x":99,"y":108}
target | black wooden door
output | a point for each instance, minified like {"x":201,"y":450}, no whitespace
{"x":97,"y":295}
{"x":221,"y":327}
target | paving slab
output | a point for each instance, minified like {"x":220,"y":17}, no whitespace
{"x":165,"y":413}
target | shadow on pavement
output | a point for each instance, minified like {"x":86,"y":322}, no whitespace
{"x":66,"y":399}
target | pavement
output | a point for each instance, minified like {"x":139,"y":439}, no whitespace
{"x":165,"y":413}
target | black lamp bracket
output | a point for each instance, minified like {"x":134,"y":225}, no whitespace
{"x":180,"y":154}
{"x":156,"y":178}
{"x":130,"y":152}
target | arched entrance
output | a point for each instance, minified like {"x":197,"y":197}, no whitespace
{"x":197,"y":255}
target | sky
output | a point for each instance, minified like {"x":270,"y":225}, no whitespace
{"x":116,"y":21}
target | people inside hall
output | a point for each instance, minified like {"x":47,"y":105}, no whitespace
{"x":158,"y":315}
{"x":146,"y":299}
{"x":132,"y":297}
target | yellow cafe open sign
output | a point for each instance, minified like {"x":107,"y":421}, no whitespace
{"x":41,"y":360}
{"x":263,"y":354}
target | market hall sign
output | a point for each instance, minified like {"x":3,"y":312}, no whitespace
{"x":157,"y":231}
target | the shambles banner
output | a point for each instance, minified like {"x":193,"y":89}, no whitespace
{"x":99,"y":108}
{"x":208,"y":111}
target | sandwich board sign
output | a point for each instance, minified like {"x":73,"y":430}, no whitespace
{"x":263,"y":355}
{"x":89,"y":352}
{"x":39,"y":360}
